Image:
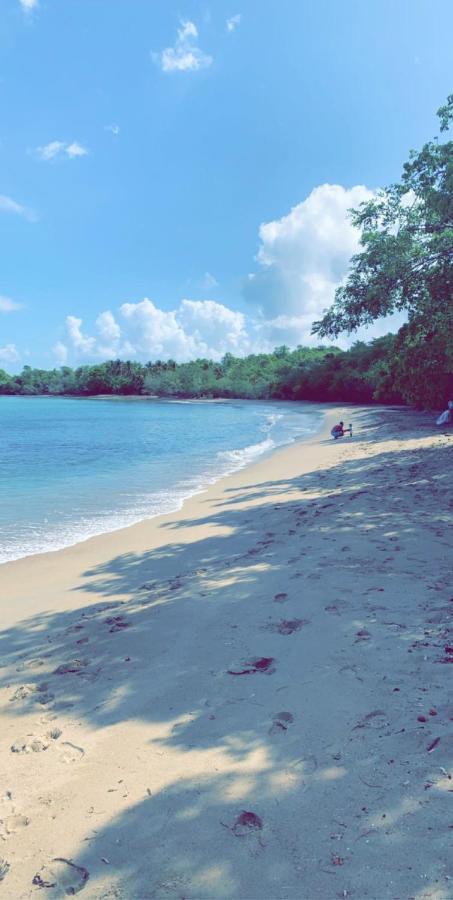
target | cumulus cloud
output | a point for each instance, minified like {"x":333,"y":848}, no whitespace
{"x":196,"y":328}
{"x":57,"y":149}
{"x":7,"y":305}
{"x":305,"y":255}
{"x":185,"y":55}
{"x":9,"y":353}
{"x":7,"y":204}
{"x":302,"y":258}
{"x":108,"y":328}
{"x":233,"y":22}
{"x":81,"y":342}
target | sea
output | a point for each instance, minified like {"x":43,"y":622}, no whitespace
{"x":73,"y":468}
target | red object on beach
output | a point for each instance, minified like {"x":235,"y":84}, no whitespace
{"x":448,"y":649}
{"x":262,"y":664}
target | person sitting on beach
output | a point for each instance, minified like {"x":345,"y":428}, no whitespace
{"x":446,"y":418}
{"x":338,"y":430}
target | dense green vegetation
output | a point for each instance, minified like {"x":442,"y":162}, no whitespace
{"x":360,"y":374}
{"x":406,"y":263}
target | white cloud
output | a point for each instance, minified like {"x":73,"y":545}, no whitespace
{"x":28,"y":5}
{"x":233,"y":22}
{"x":61,"y":352}
{"x":9,"y":353}
{"x":185,"y":55}
{"x":114,"y":129}
{"x":304,"y":256}
{"x":7,"y":305}
{"x":75,"y":149}
{"x":195,"y":328}
{"x":49,"y":151}
{"x":60,"y":148}
{"x":108,"y":328}
{"x":81,"y":342}
{"x":7,"y":204}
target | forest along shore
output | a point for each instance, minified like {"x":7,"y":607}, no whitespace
{"x":249,"y":698}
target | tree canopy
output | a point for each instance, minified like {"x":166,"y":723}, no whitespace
{"x":406,"y":263}
{"x":358,"y":375}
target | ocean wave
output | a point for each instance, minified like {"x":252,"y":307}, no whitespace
{"x":278,"y":428}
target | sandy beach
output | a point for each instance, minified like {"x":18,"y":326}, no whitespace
{"x":250,"y":698}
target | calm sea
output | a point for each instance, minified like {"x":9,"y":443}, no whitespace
{"x":71,"y":468}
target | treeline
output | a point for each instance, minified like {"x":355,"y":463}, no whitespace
{"x":362,"y":374}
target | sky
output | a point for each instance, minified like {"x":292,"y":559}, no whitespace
{"x":176,"y":175}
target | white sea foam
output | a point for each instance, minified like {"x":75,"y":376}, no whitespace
{"x":278,"y":430}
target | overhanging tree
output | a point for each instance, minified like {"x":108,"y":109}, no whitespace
{"x":406,"y":263}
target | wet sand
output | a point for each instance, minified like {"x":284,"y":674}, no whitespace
{"x":250,"y":698}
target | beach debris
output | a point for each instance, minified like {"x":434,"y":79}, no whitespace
{"x":256,"y":664}
{"x":433,"y":745}
{"x":54,"y":734}
{"x":448,"y":649}
{"x":422,"y":719}
{"x":280,"y":598}
{"x":246,"y":823}
{"x":280,"y":722}
{"x":337,"y":861}
{"x":63,"y":874}
{"x":74,"y":666}
{"x":287,"y":626}
{"x":4,"y":868}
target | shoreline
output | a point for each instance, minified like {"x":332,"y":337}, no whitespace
{"x":201,"y":489}
{"x":322,"y":576}
{"x":100,"y":546}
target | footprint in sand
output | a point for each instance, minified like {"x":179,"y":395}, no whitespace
{"x":24,"y":691}
{"x":70,"y":753}
{"x":36,"y":744}
{"x":74,"y":666}
{"x":287,"y":626}
{"x":12,"y":824}
{"x":280,"y":722}
{"x":117,"y":623}
{"x":62,"y":874}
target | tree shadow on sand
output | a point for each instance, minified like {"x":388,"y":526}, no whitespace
{"x":294,"y":780}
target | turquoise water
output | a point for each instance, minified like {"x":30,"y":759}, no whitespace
{"x":71,"y":468}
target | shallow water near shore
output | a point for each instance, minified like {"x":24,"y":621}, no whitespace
{"x":74,"y":468}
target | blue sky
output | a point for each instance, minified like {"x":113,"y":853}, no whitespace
{"x":175,"y":179}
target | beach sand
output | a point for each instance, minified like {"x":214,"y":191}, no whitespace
{"x":250,"y":698}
